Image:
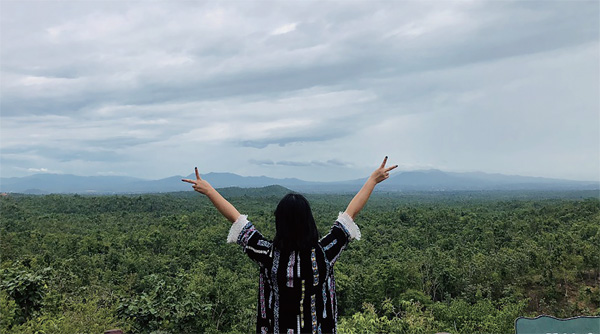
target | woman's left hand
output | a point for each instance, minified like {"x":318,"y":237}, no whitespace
{"x":382,"y":173}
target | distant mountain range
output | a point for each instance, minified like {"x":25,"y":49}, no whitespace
{"x":422,"y":180}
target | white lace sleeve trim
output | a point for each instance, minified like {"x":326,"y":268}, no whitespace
{"x":350,"y":225}
{"x":236,"y":228}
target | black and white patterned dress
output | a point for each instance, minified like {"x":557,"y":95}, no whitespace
{"x":296,"y":290}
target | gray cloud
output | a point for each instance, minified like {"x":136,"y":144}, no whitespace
{"x":65,"y":154}
{"x":389,"y":43}
{"x":459,"y":85}
{"x":283,"y":141}
{"x":313,"y":163}
{"x":295,"y":163}
{"x":262,"y":162}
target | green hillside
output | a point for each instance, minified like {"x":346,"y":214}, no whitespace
{"x":456,"y":262}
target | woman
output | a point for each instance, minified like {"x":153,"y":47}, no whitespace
{"x":296,"y":291}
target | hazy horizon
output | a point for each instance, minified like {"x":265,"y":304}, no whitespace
{"x":310,"y":90}
{"x":392,"y":174}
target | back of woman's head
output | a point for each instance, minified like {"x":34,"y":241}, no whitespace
{"x":296,"y":228}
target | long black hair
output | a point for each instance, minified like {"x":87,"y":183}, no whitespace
{"x":295,"y":224}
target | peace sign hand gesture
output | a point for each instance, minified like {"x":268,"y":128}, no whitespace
{"x":382,"y":173}
{"x":224,"y":207}
{"x":199,"y":185}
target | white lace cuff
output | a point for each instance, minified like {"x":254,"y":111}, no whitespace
{"x":350,"y":225}
{"x":236,"y":228}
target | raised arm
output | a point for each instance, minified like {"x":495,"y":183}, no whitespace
{"x":361,"y":198}
{"x":224,"y":207}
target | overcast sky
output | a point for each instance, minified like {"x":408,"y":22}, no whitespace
{"x":313,"y":90}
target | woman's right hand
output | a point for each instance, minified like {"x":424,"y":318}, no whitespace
{"x":199,"y":185}
{"x":382,"y":173}
{"x":224,"y":207}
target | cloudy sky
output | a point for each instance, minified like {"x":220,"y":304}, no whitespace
{"x":315,"y":90}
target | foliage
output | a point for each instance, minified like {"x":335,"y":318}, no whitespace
{"x":456,"y":262}
{"x":26,"y":290}
{"x":86,"y":315}
{"x":484,"y":316}
{"x":410,"y":317}
{"x":9,"y":310}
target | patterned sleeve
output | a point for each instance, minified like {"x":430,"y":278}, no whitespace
{"x":343,"y":231}
{"x":245,"y":234}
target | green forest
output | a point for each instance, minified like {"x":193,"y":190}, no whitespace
{"x":462,"y":262}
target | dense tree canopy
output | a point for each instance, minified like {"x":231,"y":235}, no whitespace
{"x":456,"y":262}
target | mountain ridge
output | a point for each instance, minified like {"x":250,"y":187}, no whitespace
{"x":419,"y":180}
